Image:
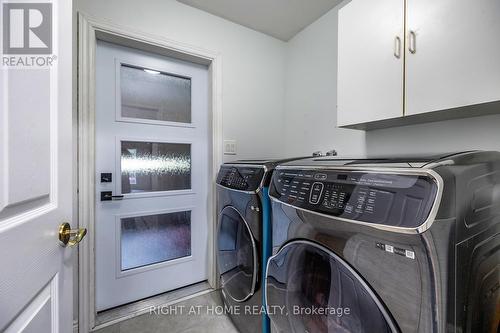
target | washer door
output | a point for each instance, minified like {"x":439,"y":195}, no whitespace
{"x":236,"y":255}
{"x":311,"y":289}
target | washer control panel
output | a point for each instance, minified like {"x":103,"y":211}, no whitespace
{"x":383,"y":198}
{"x":243,"y":178}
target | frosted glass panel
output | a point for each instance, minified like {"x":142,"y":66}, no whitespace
{"x":155,"y":166}
{"x":153,"y":95}
{"x":152,"y":239}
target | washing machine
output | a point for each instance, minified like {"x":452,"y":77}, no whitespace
{"x":243,"y":239}
{"x":408,"y":244}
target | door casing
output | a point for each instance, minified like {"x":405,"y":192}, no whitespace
{"x":89,"y":31}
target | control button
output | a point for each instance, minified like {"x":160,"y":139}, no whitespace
{"x":315,"y":195}
{"x":320,"y":176}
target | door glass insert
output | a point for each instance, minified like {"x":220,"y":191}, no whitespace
{"x":154,"y":95}
{"x":152,"y":239}
{"x":236,"y":255}
{"x":155,"y":166}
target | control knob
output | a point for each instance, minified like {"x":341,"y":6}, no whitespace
{"x":317,"y":153}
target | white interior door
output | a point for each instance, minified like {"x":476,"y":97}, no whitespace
{"x":36,"y":166}
{"x":152,"y":141}
{"x":370,"y":61}
{"x":455,"y":54}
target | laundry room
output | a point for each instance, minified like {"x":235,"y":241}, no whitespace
{"x":250,"y":166}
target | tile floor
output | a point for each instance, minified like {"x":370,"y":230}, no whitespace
{"x":202,"y":319}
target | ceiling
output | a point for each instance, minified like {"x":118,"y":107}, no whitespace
{"x":281,"y":19}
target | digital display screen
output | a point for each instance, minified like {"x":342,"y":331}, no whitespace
{"x":240,"y":177}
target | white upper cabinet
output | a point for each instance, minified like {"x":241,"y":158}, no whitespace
{"x":370,"y":61}
{"x":449,"y":61}
{"x":456,"y":61}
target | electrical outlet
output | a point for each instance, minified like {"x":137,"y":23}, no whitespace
{"x":229,"y":147}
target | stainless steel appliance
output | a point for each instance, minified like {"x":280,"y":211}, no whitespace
{"x":243,"y":239}
{"x":386,"y":245}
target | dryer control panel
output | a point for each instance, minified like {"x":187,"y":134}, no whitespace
{"x":396,"y":200}
{"x":242,"y":178}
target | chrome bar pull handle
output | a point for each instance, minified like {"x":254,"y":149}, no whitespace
{"x":397,"y":47}
{"x":412,"y":42}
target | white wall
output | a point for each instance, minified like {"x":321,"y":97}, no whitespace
{"x":311,"y":93}
{"x":253,"y":65}
{"x":444,"y":136}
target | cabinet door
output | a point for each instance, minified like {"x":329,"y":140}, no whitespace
{"x":456,"y":61}
{"x":370,"y":74}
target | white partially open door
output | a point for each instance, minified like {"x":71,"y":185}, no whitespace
{"x":36,"y":167}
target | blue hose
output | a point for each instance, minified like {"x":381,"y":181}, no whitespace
{"x":266,"y":251}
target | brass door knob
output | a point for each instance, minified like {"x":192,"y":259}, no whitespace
{"x":71,"y":237}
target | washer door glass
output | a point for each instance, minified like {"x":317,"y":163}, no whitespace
{"x":310,"y":289}
{"x":236,"y":255}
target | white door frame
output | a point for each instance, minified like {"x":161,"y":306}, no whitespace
{"x":89,"y":31}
